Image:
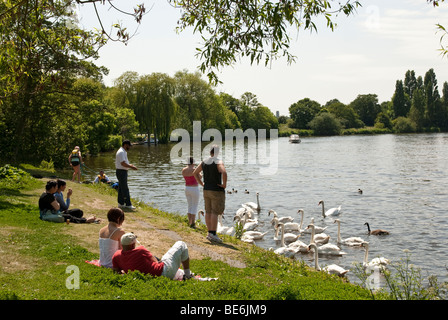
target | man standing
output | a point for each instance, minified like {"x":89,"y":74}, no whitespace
{"x":215,"y":182}
{"x":122,"y":166}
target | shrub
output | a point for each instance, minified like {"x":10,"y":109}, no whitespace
{"x":404,"y":125}
{"x":325,"y":124}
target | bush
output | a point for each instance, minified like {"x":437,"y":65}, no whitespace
{"x":404,"y":125}
{"x":326,"y":124}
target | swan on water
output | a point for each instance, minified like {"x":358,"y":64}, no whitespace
{"x":287,"y":236}
{"x":280,"y":219}
{"x":320,"y":238}
{"x":331,"y":269}
{"x":285,"y":250}
{"x":254,"y":235}
{"x":317,"y":229}
{"x":375,"y":262}
{"x":330,"y":212}
{"x":377,"y":232}
{"x":253,"y":205}
{"x":351,"y":241}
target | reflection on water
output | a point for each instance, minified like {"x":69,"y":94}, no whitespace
{"x":404,"y":179}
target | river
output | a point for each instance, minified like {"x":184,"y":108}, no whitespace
{"x":404,"y":179}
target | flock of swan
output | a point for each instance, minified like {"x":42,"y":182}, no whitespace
{"x":290,"y":235}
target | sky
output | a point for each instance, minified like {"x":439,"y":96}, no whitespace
{"x":366,"y":53}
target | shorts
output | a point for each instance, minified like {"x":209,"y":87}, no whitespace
{"x":214,"y":201}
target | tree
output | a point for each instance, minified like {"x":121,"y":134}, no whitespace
{"x":42,"y":52}
{"x":417,"y":111}
{"x":344,"y":113}
{"x":326,"y":124}
{"x":251,"y":28}
{"x":400,"y":101}
{"x":303,"y":111}
{"x":367,"y":107}
{"x":432,"y":97}
{"x":410,"y":83}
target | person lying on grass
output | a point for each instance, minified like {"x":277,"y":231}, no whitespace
{"x":132,"y":258}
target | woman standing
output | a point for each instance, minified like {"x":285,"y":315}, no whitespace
{"x":191,"y":191}
{"x":75,"y":160}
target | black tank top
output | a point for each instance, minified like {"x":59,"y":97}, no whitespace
{"x":212,"y":177}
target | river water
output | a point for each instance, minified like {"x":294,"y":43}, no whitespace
{"x":404,"y":179}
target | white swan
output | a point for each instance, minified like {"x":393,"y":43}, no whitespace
{"x":254,"y":235}
{"x":317,"y":229}
{"x":253,"y":205}
{"x":331,"y":269}
{"x":288,"y":237}
{"x":285,"y":250}
{"x":280,"y":219}
{"x":330,"y":212}
{"x":224,"y":229}
{"x":248,"y":224}
{"x":351,"y":241}
{"x":320,"y":238}
{"x":380,"y":262}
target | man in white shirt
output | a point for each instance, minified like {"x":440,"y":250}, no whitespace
{"x":122,"y":166}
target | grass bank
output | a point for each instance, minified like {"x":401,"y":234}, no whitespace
{"x":42,"y":260}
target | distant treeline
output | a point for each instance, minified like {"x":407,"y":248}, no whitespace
{"x":416,"y":106}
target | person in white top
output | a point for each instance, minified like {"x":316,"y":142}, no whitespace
{"x":122,"y":166}
{"x":110,"y":235}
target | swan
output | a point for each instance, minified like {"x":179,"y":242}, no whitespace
{"x":280,"y":219}
{"x":377,"y":232}
{"x":330,"y":212}
{"x":320,"y":238}
{"x":287,"y":237}
{"x":380,"y":262}
{"x":198,"y":218}
{"x":253,"y":205}
{"x":254,"y":235}
{"x":330,"y":249}
{"x":224,"y":229}
{"x":317,"y":229}
{"x":331,"y":269}
{"x":248,"y":224}
{"x":285,"y":250}
{"x":352,"y":241}
{"x":245,"y":210}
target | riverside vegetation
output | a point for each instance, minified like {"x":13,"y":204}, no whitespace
{"x":36,"y":255}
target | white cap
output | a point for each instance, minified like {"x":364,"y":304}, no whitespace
{"x":128,"y":239}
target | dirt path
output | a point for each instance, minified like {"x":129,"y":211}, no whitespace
{"x":155,"y":232}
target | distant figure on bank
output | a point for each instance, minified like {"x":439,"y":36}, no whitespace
{"x":102,"y":177}
{"x":132,"y":258}
{"x":122,"y":166}
{"x":215,"y":182}
{"x":110,"y":236}
{"x":75,"y":160}
{"x":191,"y":191}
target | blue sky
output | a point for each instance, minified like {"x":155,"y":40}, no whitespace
{"x":365,"y":54}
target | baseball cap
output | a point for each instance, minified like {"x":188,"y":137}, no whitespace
{"x":128,"y":239}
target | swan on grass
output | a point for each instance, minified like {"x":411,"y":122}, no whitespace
{"x":330,"y":212}
{"x":377,"y":232}
{"x":320,"y":238}
{"x":331,"y":269}
{"x":224,"y":229}
{"x":380,"y":262}
{"x":351,"y":241}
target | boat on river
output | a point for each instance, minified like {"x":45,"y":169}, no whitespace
{"x":294,"y":138}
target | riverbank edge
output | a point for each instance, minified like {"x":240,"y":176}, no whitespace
{"x":165,"y":227}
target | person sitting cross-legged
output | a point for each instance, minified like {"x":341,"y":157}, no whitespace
{"x":132,"y":258}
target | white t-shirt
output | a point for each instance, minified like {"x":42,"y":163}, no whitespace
{"x":121,"y":156}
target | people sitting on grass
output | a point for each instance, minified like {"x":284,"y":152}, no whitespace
{"x":131,"y":258}
{"x":50,"y":208}
{"x":110,"y":236}
{"x":102,"y":177}
{"x":76,"y":215}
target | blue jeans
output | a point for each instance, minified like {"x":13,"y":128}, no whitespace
{"x":124,"y":197}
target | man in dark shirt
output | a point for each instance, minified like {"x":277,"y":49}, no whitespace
{"x":48,"y":205}
{"x":215,"y":182}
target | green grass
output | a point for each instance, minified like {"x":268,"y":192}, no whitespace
{"x":36,"y":255}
